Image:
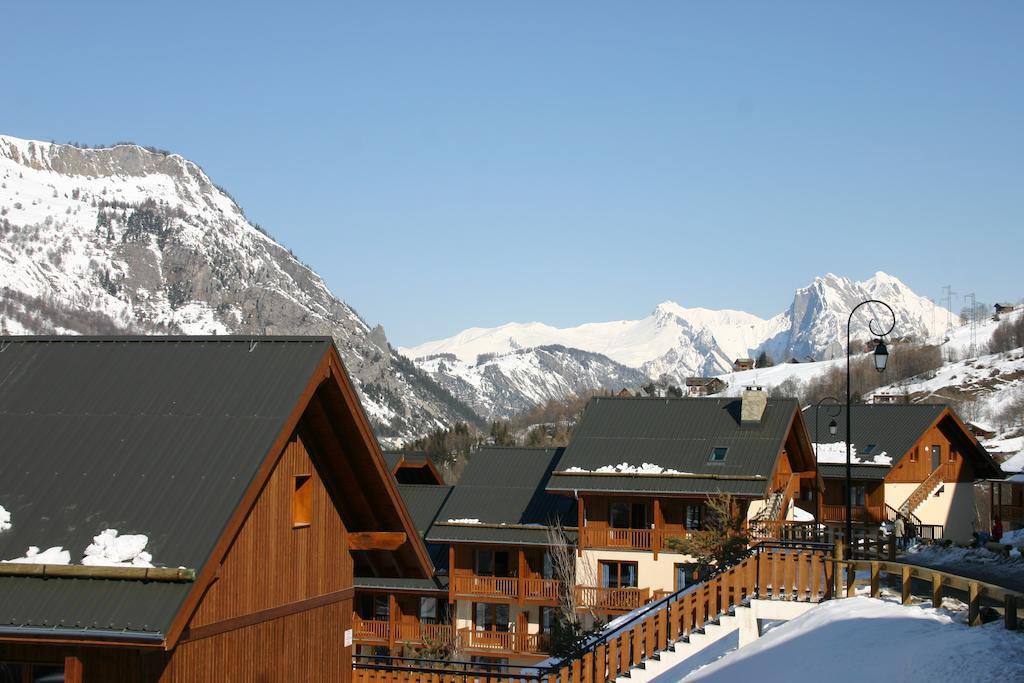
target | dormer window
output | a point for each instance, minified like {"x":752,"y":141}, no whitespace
{"x":718,"y":454}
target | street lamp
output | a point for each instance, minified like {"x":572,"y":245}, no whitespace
{"x":880,"y":357}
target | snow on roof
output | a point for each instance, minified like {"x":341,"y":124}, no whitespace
{"x":835,"y":453}
{"x":626,"y":468}
{"x":1014,"y":464}
{"x":54,"y":555}
{"x":5,"y":519}
{"x":108,"y":549}
{"x":465,"y":520}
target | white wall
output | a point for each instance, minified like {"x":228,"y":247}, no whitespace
{"x":654,"y":574}
{"x":954,"y":508}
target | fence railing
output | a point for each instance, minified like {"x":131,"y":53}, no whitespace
{"x":603,"y":599}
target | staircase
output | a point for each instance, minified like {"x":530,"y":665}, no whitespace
{"x":923,"y":491}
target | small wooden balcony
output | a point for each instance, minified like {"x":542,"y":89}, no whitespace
{"x":650,"y":540}
{"x":601,"y":599}
{"x":503,"y":642}
{"x":388,"y":633}
{"x":861,"y":514}
{"x":506,"y":588}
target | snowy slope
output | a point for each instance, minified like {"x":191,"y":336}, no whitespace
{"x":507,"y":384}
{"x":123,"y":239}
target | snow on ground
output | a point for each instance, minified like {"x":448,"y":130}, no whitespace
{"x":864,"y":639}
{"x":109,"y":549}
{"x":626,"y":468}
{"x":836,"y":453}
{"x":954,"y":556}
{"x":54,"y":555}
{"x":5,"y":519}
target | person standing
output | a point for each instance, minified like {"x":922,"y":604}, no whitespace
{"x":899,"y":530}
{"x":997,"y":528}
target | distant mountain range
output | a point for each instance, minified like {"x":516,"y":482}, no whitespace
{"x":131,"y":240}
{"x":671,"y":343}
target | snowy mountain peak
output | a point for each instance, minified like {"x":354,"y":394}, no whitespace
{"x":126,"y":239}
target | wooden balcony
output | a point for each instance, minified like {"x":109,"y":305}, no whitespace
{"x":508,"y":588}
{"x":503,"y":642}
{"x":602,"y":599}
{"x":380,"y":632}
{"x":863,"y":514}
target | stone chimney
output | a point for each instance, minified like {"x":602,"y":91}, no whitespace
{"x":753,"y":402}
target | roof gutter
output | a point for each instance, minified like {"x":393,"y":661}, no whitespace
{"x":94,"y":635}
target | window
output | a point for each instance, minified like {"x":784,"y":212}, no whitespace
{"x":869,"y":449}
{"x":686,"y":575}
{"x":489,"y":616}
{"x":547,"y":620}
{"x":17,"y":672}
{"x":302,"y":501}
{"x":857,"y":494}
{"x":694,"y":515}
{"x":492,"y":563}
{"x":549,"y":568}
{"x":718,"y":454}
{"x":913,"y":454}
{"x":428,"y":610}
{"x":628,"y":516}
{"x":489,"y":661}
{"x":618,"y":574}
{"x":373,"y":606}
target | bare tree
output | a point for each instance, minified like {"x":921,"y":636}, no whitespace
{"x":567,"y":632}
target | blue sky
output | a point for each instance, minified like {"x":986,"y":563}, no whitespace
{"x":449,"y":164}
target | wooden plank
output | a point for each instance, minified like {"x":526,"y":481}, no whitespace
{"x":936,"y":590}
{"x":600,"y":664}
{"x":588,"y":667}
{"x":875,"y":572}
{"x":1010,"y":614}
{"x":905,"y":583}
{"x":376,"y":540}
{"x":974,"y":604}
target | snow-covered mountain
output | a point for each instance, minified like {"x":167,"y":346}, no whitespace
{"x":674,"y":342}
{"x":125,"y":239}
{"x":501,"y":385}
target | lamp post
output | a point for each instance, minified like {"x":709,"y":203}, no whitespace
{"x":880,"y":357}
{"x":833,"y":427}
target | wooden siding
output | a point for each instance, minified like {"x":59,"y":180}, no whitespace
{"x":272,"y":563}
{"x":916,"y":465}
{"x":300,"y":647}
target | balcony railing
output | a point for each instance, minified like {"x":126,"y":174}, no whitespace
{"x":503,"y":641}
{"x":378,"y":631}
{"x":507,"y":587}
{"x":653,"y":540}
{"x":861,"y":513}
{"x":604,"y":599}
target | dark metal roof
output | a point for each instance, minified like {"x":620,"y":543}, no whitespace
{"x":152,"y":435}
{"x":893,"y":428}
{"x":675,"y":434}
{"x":859,"y":472}
{"x":423,"y":501}
{"x":503,"y":486}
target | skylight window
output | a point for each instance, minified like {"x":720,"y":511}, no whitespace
{"x":869,"y":449}
{"x":718,"y":454}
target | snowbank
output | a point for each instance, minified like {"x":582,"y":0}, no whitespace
{"x":864,"y":639}
{"x":954,"y":556}
{"x":5,"y":519}
{"x":111,"y":550}
{"x":54,"y":555}
{"x":835,"y":453}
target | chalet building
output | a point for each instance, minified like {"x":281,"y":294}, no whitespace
{"x":920,"y":460}
{"x":703,"y":386}
{"x":741,"y":364}
{"x":1003,"y":309}
{"x":251,"y":468}
{"x":639,"y":472}
{"x":500,"y":577}
{"x":1007,"y":496}
{"x":885,"y":399}
{"x":413,"y":468}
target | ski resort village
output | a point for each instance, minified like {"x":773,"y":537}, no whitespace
{"x":512,"y":342}
{"x":215,"y":470}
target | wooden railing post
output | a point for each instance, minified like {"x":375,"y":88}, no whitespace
{"x":1010,"y":614}
{"x":851,"y":579}
{"x":936,"y":590}
{"x":875,"y":571}
{"x":973,"y":604}
{"x":905,"y":584}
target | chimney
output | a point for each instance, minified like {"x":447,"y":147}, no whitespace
{"x":753,"y":402}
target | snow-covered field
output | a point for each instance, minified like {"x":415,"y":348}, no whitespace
{"x":862,"y":639}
